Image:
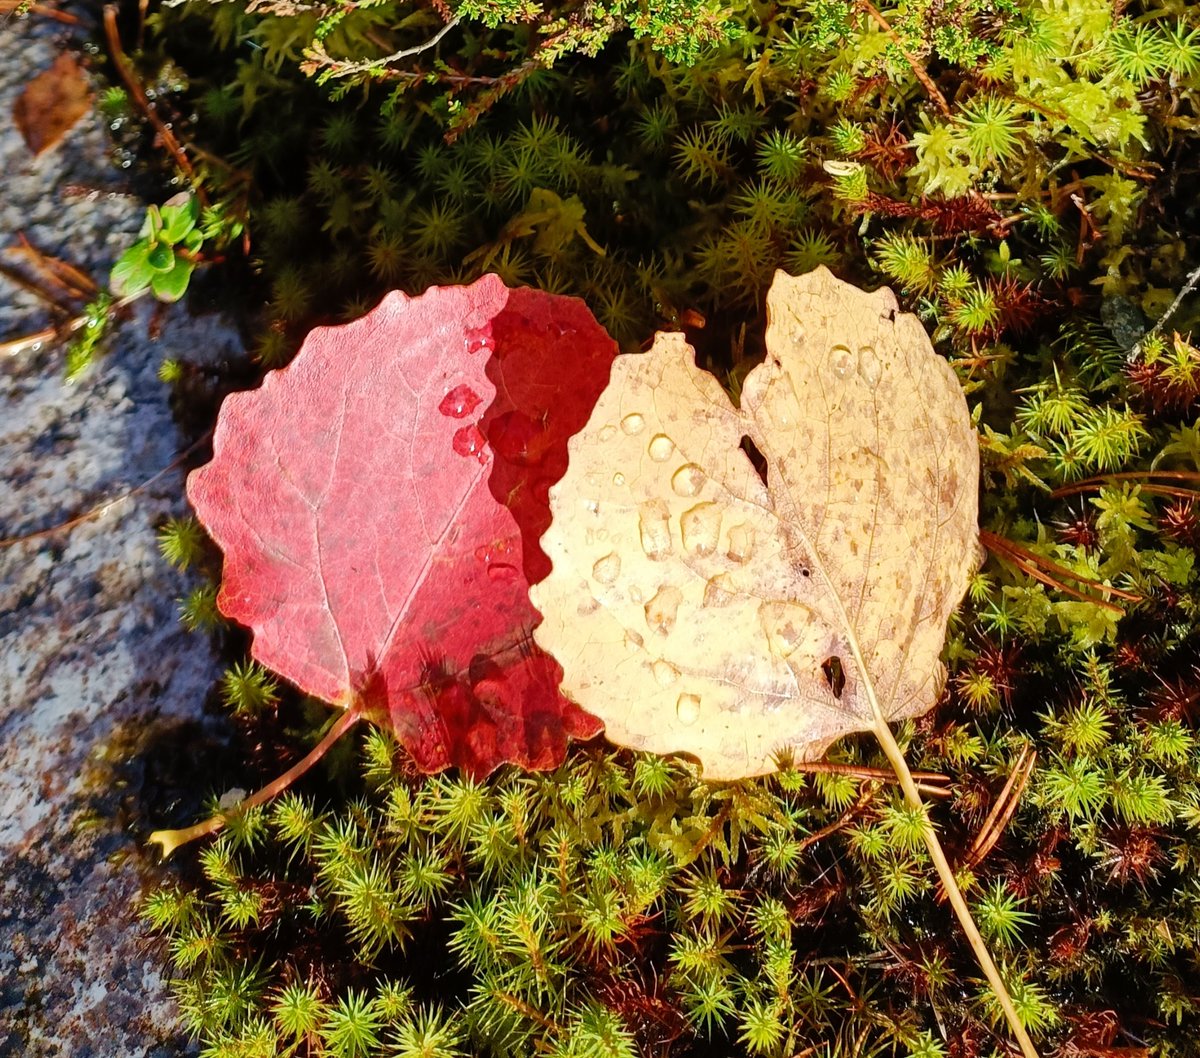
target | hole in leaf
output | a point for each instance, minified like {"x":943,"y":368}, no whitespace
{"x":756,"y":457}
{"x":835,"y":675}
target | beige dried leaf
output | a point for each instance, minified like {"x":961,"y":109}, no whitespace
{"x":695,"y":609}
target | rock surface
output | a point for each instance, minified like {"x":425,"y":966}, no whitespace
{"x":101,"y":690}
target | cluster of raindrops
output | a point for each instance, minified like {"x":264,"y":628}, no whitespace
{"x":867,"y":364}
{"x":459,"y":403}
{"x":499,"y":559}
{"x":700,"y":532}
{"x":479,"y":341}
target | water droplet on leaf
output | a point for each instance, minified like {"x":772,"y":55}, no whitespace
{"x":663,"y":609}
{"x":790,"y":628}
{"x":518,"y":439}
{"x":660,"y":447}
{"x":701,"y":529}
{"x":718,"y":591}
{"x":608,"y":432}
{"x":870,"y":367}
{"x":687,"y":708}
{"x":655,"y":529}
{"x":741,"y":543}
{"x":468,"y":441}
{"x":633,"y":424}
{"x":460,"y":402}
{"x":478,"y":342}
{"x":841,"y":360}
{"x":664,"y":673}
{"x":502,"y":572}
{"x":607,"y":569}
{"x":688,"y":480}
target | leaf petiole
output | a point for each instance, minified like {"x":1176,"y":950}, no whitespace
{"x":962,"y":912}
{"x":170,"y":840}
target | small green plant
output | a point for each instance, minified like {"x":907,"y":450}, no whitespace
{"x":94,"y":325}
{"x":165,"y":254}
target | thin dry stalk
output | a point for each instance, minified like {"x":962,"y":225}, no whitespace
{"x":1003,"y":810}
{"x":10,"y":7}
{"x":1000,"y":815}
{"x":57,"y":272}
{"x":102,"y":508}
{"x":919,"y":71}
{"x":165,"y":135}
{"x":843,"y":821}
{"x":949,"y":883}
{"x":1051,"y":573}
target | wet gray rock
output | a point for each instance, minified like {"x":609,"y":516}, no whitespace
{"x":1124,"y":320}
{"x":101,"y":690}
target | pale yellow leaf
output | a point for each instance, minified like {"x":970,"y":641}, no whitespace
{"x":695,"y":609}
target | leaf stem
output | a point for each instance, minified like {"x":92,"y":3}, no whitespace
{"x":918,"y":70}
{"x":946,"y":873}
{"x":170,"y":840}
{"x":347,"y":69}
{"x":165,"y":136}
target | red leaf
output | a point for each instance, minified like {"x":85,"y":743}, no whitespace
{"x":379,"y":503}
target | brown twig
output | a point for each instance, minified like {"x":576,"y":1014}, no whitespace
{"x":1051,"y":573}
{"x":75,"y":281}
{"x":349,"y":69}
{"x":34,"y":342}
{"x":842,"y":821}
{"x":1100,"y":480}
{"x":1158,"y":490}
{"x":8,"y":7}
{"x":1089,"y":231}
{"x":31,"y":342}
{"x":165,"y":135}
{"x":1000,"y":815}
{"x":994,"y":542}
{"x":100,"y":508}
{"x":1050,"y":582}
{"x":926,"y":780}
{"x":1003,"y":810}
{"x":918,"y":70}
{"x":35,"y":288}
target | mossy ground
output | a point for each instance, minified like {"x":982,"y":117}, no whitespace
{"x":1021,"y":174}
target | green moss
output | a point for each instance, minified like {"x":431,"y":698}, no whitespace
{"x":1014,"y":169}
